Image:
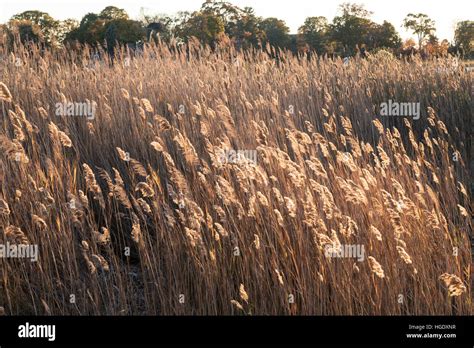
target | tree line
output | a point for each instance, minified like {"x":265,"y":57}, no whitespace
{"x":219,"y":22}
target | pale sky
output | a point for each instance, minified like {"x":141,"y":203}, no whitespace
{"x":445,"y":12}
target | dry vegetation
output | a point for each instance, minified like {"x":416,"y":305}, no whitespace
{"x":234,"y":238}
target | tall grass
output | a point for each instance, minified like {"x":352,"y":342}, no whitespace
{"x":208,"y":237}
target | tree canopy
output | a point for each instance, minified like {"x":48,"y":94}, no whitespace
{"x":111,"y":25}
{"x":421,"y":25}
{"x":276,"y":32}
{"x":349,"y":32}
{"x":464,"y":37}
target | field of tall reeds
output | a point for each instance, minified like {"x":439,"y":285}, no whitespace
{"x":152,"y":205}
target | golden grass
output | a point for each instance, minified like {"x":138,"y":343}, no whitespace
{"x":134,"y":213}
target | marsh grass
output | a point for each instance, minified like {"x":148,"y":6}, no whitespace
{"x":134,"y":213}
